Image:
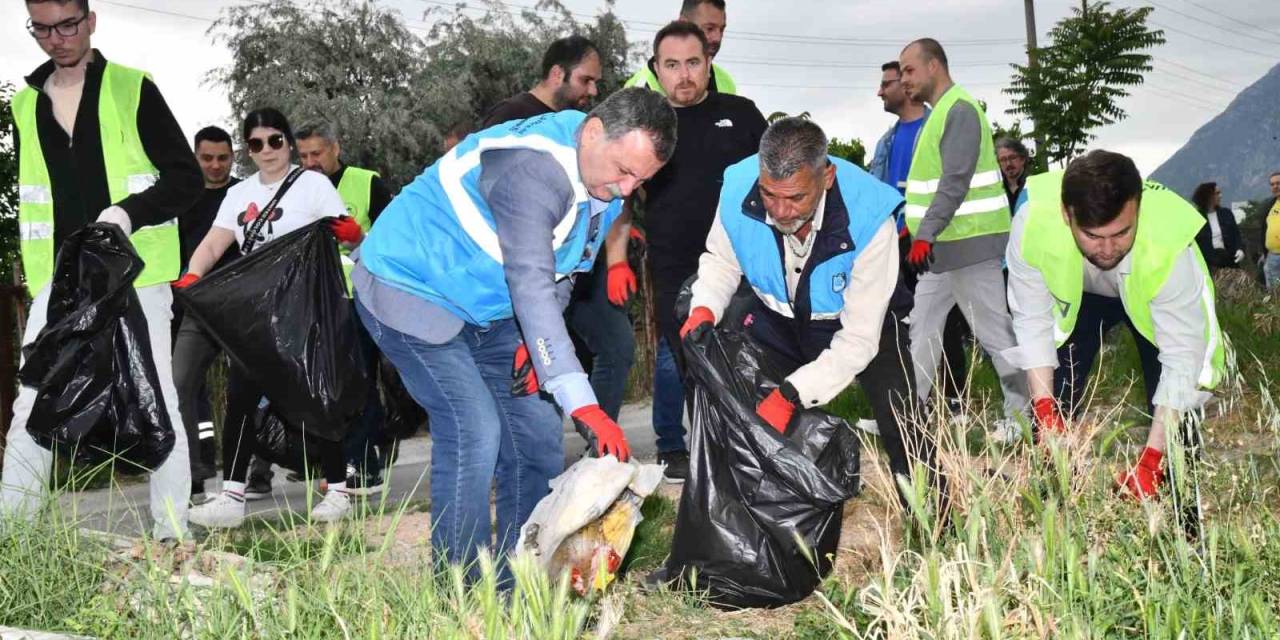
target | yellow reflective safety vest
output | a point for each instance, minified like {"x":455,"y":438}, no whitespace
{"x":354,"y":189}
{"x":129,"y":171}
{"x":985,"y":209}
{"x":1167,"y":225}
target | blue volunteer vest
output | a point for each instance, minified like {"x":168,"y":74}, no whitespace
{"x":438,"y":240}
{"x":856,"y":206}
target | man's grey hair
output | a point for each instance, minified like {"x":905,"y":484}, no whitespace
{"x":637,"y":108}
{"x":790,"y":144}
{"x":317,"y":128}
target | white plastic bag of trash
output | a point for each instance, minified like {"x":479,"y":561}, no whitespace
{"x":584,"y":526}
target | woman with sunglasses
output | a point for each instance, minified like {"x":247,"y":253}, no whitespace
{"x":309,"y":198}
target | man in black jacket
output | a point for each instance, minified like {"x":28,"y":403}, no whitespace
{"x":96,"y":142}
{"x":714,"y":131}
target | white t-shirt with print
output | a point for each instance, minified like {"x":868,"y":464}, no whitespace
{"x":310,"y":198}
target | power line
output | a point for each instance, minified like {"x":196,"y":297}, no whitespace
{"x":834,"y":65}
{"x":868,"y":87}
{"x":1218,"y":12}
{"x":1202,"y":37}
{"x":1185,"y":98}
{"x":164,"y":12}
{"x":1206,"y":22}
{"x":751,"y":36}
{"x":1198,"y":84}
{"x":1208,"y":76}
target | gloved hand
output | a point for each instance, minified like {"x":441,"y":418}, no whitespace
{"x":1047,"y":417}
{"x":621,"y":283}
{"x":185,"y":281}
{"x":700,"y":319}
{"x":920,"y":256}
{"x":524,"y":380}
{"x":117,"y":216}
{"x":778,"y":407}
{"x":1239,"y":256}
{"x":606,"y":435}
{"x":1142,"y":482}
{"x":636,"y":234}
{"x":346,"y":229}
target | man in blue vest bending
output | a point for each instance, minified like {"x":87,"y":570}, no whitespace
{"x":815,"y":237}
{"x":463,"y":283}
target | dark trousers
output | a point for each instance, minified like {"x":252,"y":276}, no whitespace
{"x":956,"y":337}
{"x":194,"y":351}
{"x":889,"y":383}
{"x":1075,"y":357}
{"x":365,"y":446}
{"x":606,"y":332}
{"x":239,"y":442}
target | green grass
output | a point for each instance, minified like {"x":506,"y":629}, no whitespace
{"x":1038,"y":547}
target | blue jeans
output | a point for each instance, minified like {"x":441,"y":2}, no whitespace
{"x":668,"y":401}
{"x":1271,"y":271}
{"x":479,"y":432}
{"x":607,"y":333}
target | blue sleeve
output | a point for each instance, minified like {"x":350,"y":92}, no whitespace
{"x":529,"y":194}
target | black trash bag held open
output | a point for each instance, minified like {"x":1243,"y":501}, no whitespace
{"x":98,"y":394}
{"x":283,"y":316}
{"x":752,"y":493}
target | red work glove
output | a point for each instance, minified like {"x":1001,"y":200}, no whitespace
{"x":698,"y":318}
{"x":920,"y":256}
{"x":346,"y":229}
{"x":185,"y":281}
{"x":621,"y":283}
{"x":606,"y":435}
{"x":1047,"y":417}
{"x":1142,"y":482}
{"x":636,"y":234}
{"x":777,"y":407}
{"x":524,"y":380}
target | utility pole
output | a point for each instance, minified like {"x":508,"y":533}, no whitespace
{"x":1030,"y":11}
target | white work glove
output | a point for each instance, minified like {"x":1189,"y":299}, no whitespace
{"x":117,"y":216}
{"x":1239,"y":256}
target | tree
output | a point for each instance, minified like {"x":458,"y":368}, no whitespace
{"x":851,"y":150}
{"x":1079,"y":79}
{"x":496,"y":56}
{"x":392,"y":94}
{"x":9,"y":253}
{"x":349,"y":62}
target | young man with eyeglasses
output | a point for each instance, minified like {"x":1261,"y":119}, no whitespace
{"x":121,"y":160}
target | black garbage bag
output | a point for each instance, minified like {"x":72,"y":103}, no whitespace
{"x":403,"y":414}
{"x":282,"y":444}
{"x":755,"y":496}
{"x":283,"y":316}
{"x":98,"y":394}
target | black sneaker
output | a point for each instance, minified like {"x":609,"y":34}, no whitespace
{"x":257,"y":488}
{"x":364,"y":484}
{"x":197,"y":491}
{"x":677,"y":463}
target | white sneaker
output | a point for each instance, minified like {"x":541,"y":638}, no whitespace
{"x":869,"y":426}
{"x":1006,"y":431}
{"x":223,"y":511}
{"x":334,"y":506}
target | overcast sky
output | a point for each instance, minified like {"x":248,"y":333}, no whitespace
{"x":821,"y":56}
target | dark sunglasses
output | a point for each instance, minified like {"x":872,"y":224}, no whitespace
{"x":276,"y":140}
{"x":66,"y":28}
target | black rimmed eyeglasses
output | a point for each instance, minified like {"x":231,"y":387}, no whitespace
{"x":66,"y":28}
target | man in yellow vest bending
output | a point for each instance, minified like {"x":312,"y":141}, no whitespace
{"x":365,"y":195}
{"x":96,"y":141}
{"x":1095,"y":246}
{"x":958,"y":215}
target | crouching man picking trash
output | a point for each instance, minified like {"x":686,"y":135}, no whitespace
{"x":815,"y":237}
{"x":1095,"y":246}
{"x":462,"y":283}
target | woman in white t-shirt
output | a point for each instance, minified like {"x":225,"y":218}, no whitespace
{"x":310,"y":198}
